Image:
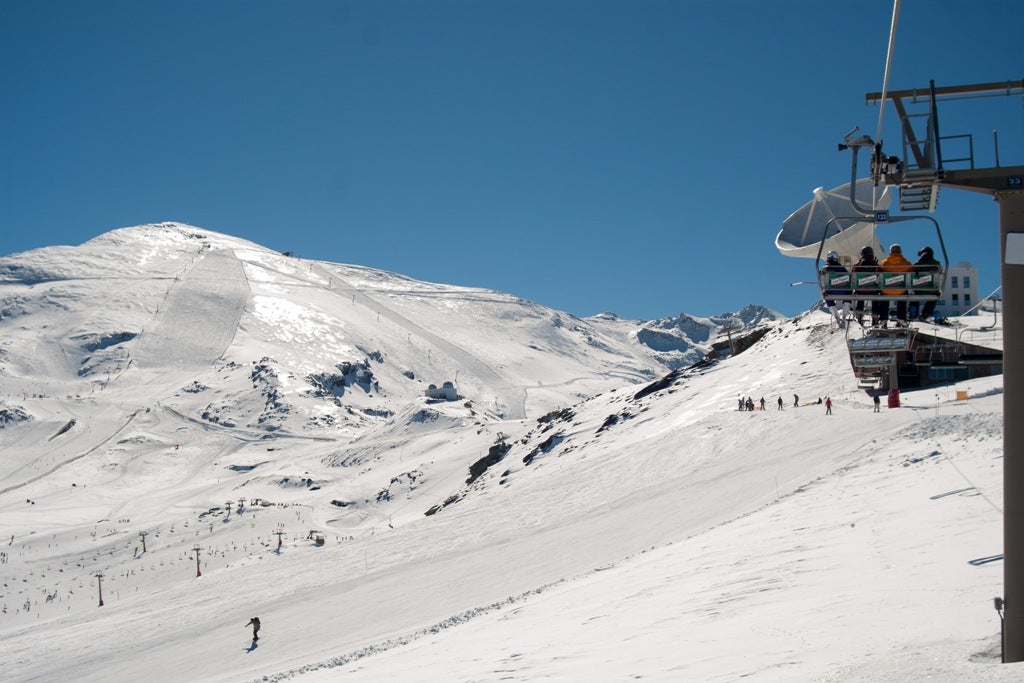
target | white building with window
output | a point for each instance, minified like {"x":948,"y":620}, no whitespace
{"x":960,"y":292}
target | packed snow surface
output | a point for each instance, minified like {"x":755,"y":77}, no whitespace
{"x":185,"y":415}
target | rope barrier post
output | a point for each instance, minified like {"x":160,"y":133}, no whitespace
{"x":99,"y":585}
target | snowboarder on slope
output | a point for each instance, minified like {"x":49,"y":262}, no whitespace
{"x":828,"y":405}
{"x":255,"y":623}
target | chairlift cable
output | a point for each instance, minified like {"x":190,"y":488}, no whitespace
{"x":888,"y":67}
{"x":981,"y":302}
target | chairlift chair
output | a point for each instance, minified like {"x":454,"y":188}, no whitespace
{"x":918,"y":284}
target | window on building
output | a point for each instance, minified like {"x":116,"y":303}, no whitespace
{"x":941,"y":374}
{"x":967,"y":281}
{"x":967,"y":299}
{"x":954,"y":281}
{"x":956,"y":299}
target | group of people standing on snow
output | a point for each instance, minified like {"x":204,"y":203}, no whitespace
{"x":748,"y":403}
{"x":895,"y":262}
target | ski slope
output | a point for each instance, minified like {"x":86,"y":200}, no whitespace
{"x":647,"y":529}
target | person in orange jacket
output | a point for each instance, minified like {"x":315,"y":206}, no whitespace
{"x":896,"y":262}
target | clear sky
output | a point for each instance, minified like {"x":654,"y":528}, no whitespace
{"x":634,"y":156}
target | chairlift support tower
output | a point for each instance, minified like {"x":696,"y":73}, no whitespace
{"x":919,"y":175}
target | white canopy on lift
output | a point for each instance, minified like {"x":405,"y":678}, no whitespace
{"x":802,"y":232}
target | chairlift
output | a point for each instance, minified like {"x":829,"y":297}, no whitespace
{"x":921,"y":283}
{"x":845,"y":220}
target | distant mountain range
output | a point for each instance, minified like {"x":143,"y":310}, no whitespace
{"x":232,"y":334}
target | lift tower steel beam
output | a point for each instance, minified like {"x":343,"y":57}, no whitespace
{"x":1011,"y":229}
{"x":1006,"y":185}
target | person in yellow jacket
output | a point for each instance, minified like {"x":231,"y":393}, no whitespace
{"x":896,"y":262}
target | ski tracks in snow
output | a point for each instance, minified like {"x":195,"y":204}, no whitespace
{"x":197,"y":321}
{"x":513,"y":397}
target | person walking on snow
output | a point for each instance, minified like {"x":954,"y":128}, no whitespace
{"x":780,"y":403}
{"x":878,"y":403}
{"x":796,"y":401}
{"x":828,"y":405}
{"x":255,"y":623}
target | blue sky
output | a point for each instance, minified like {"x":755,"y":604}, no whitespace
{"x":633,"y":156}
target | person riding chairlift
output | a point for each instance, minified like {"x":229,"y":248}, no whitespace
{"x":896,"y":262}
{"x":927,"y":263}
{"x":869,"y":264}
{"x":833,"y":265}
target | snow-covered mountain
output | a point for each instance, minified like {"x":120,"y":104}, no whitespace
{"x":185,"y":415}
{"x":324,"y":345}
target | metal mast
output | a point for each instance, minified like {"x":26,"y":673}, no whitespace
{"x":919,"y":176}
